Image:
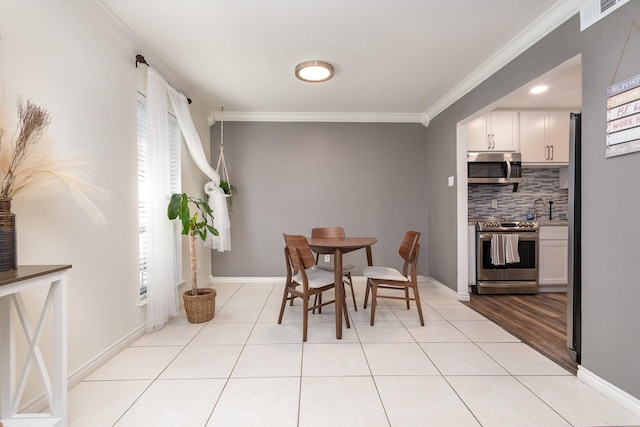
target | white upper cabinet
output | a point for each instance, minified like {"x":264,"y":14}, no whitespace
{"x":495,"y":131}
{"x":544,"y":137}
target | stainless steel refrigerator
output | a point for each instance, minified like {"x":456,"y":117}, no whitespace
{"x":574,"y":289}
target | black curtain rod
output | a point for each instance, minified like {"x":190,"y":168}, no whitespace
{"x":140,"y":60}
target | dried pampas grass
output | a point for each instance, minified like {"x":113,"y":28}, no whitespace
{"x":27,"y":166}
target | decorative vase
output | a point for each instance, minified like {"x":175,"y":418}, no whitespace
{"x":8,"y":251}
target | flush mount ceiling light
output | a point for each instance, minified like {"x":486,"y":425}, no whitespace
{"x":539,"y":89}
{"x":314,"y":71}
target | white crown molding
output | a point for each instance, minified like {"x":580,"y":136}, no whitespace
{"x":125,"y":37}
{"x":109,"y":22}
{"x":555,"y":16}
{"x":534,"y":32}
{"x":263,"y":116}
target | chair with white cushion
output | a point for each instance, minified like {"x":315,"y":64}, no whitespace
{"x":390,"y":278}
{"x":346,"y":268}
{"x":301,"y":272}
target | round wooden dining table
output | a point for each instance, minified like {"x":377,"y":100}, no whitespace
{"x":339,"y":246}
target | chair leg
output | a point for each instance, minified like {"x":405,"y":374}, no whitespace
{"x":406,"y":296}
{"x":305,"y":317}
{"x":345,"y":312}
{"x":366,"y":293}
{"x":374,"y":293}
{"x":292,"y":297}
{"x":418,"y":303}
{"x":284,"y":303}
{"x":353,"y":294}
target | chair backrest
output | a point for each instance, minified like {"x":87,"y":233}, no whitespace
{"x":328,"y":232}
{"x":409,"y":246}
{"x":299,"y":252}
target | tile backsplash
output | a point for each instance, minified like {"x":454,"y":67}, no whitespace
{"x":537,"y":183}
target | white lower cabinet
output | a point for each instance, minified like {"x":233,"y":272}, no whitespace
{"x":553,"y":255}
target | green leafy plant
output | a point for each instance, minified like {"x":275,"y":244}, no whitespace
{"x":198,"y":224}
{"x":229,"y":190}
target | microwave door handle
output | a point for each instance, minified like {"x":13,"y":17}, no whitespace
{"x":508,"y":169}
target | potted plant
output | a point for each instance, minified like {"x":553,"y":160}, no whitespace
{"x":229,"y":191}
{"x":199,"y":303}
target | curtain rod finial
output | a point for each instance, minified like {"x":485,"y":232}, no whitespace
{"x":140,"y":60}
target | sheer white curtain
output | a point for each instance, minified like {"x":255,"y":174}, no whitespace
{"x":162,"y":293}
{"x":217,"y":199}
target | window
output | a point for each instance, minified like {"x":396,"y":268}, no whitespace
{"x":143,"y":191}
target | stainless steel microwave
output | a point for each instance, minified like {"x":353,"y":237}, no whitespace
{"x":494,"y":168}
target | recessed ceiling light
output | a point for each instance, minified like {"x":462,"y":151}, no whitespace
{"x":314,"y":71}
{"x":539,"y":89}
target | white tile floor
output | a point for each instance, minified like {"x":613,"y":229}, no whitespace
{"x":243,"y":369}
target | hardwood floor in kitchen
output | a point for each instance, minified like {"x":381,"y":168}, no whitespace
{"x":538,"y":320}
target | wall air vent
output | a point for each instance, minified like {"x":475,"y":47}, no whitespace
{"x":595,"y":10}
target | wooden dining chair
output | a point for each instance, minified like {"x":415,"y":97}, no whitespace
{"x":312,"y":281}
{"x":346,"y":268}
{"x":390,"y":278}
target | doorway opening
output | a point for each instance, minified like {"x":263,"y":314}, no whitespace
{"x":564,"y":93}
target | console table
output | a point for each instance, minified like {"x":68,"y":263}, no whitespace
{"x":12,"y":387}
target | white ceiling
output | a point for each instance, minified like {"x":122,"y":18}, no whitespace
{"x":402,"y":60}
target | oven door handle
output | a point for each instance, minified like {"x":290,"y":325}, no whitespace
{"x":526,"y":236}
{"x":508,"y":169}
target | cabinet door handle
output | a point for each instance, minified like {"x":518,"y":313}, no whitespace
{"x":493,"y":141}
{"x":488,"y":141}
{"x":551,"y":152}
{"x":546,"y":152}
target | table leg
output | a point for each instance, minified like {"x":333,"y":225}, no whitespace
{"x":339,"y":290}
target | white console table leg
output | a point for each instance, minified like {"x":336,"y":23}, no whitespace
{"x":12,"y":283}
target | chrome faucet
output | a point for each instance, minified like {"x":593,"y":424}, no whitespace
{"x":535,"y":208}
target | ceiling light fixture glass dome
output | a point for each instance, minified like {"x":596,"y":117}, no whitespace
{"x":539,"y":89}
{"x":314,"y":71}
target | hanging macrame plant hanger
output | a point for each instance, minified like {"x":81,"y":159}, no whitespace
{"x":224,"y":173}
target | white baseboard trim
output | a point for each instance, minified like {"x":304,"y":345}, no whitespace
{"x":619,"y":396}
{"x":249,"y":280}
{"x":552,"y":288}
{"x":39,"y":403}
{"x":82,"y":372}
{"x":358,"y":280}
{"x":445,"y":288}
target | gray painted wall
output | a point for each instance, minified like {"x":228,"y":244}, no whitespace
{"x":369,"y":178}
{"x":611,"y":206}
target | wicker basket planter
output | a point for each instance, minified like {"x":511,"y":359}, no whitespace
{"x":201,"y":307}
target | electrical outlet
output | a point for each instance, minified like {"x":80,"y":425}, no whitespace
{"x":494,"y":204}
{"x":327,"y":258}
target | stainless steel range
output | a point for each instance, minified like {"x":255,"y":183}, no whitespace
{"x":515,"y":273}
